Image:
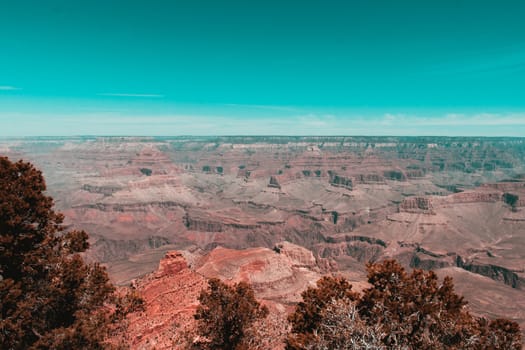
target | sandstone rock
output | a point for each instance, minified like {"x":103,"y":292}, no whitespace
{"x":173,"y":263}
{"x":299,"y":256}
{"x":274,"y":276}
{"x":370,"y":179}
{"x":395,"y":175}
{"x":171,"y":292}
{"x":170,"y":295}
{"x":341,"y":181}
{"x":416,"y":204}
{"x":132,"y":215}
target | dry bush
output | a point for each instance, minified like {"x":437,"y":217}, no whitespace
{"x":267,"y":333}
{"x":399,"y":311}
{"x":342,"y":328}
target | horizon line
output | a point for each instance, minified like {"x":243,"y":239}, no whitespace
{"x":258,"y":135}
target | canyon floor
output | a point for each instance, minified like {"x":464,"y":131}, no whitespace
{"x":282,"y":211}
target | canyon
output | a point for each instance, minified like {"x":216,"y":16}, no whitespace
{"x":167,"y":213}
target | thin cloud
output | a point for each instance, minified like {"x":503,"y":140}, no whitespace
{"x":9,"y":88}
{"x":263,"y":107}
{"x":390,"y":124}
{"x":131,"y":95}
{"x":455,"y":119}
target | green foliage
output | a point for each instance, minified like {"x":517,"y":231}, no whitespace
{"x":399,"y":311}
{"x":226,"y":313}
{"x":146,"y":171}
{"x":510,"y":199}
{"x":49,"y":297}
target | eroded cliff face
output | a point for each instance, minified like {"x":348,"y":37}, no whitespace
{"x":280,"y":274}
{"x":435,"y":203}
{"x":171,"y":292}
{"x":170,"y":299}
{"x":278,"y":277}
{"x":417,"y":204}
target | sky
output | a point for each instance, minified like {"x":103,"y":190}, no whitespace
{"x":272,"y":67}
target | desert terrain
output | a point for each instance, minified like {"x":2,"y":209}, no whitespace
{"x":280,"y":212}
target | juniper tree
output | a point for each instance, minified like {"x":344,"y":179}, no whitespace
{"x":49,"y":297}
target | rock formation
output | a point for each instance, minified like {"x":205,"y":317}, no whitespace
{"x":274,"y":183}
{"x":170,"y":300}
{"x":140,"y":197}
{"x":280,"y":274}
{"x":416,"y":204}
{"x":170,"y":293}
{"x":340,"y":181}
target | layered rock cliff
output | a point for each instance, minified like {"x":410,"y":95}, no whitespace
{"x":171,"y":292}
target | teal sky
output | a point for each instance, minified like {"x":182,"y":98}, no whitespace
{"x":355,"y":67}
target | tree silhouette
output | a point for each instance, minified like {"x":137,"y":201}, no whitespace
{"x":226,"y":313}
{"x":49,"y":297}
{"x":399,"y":311}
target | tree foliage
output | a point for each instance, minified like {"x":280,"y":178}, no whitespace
{"x":49,"y":297}
{"x":226,"y":313}
{"x":308,"y":313}
{"x":399,"y":311}
{"x":342,"y":327}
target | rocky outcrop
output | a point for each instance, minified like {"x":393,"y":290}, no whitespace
{"x":173,"y":263}
{"x":369,"y":179}
{"x":171,"y":292}
{"x":415,"y":173}
{"x":170,"y":300}
{"x":151,"y":161}
{"x":416,"y":205}
{"x":280,"y":274}
{"x":341,"y":181}
{"x":419,"y":257}
{"x":362,"y":248}
{"x":202,"y":224}
{"x":129,"y":207}
{"x":354,"y":238}
{"x":106,"y":190}
{"x":497,"y":273}
{"x":274,"y":183}
{"x":422,"y":261}
{"x":506,"y":186}
{"x":107,"y":250}
{"x":299,"y":256}
{"x":395,"y":175}
{"x":470,"y":197}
